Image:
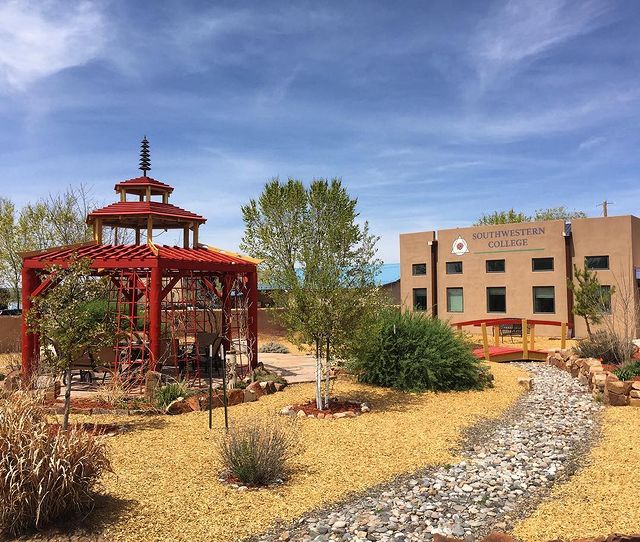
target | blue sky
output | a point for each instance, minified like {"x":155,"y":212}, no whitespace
{"x":431,"y":112}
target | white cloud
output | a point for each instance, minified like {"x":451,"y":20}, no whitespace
{"x":522,"y":30}
{"x":38,"y":39}
{"x":591,"y":142}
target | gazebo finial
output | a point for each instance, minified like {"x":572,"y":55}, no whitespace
{"x":145,"y":160}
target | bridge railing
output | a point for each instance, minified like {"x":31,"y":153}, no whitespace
{"x":528,"y":331}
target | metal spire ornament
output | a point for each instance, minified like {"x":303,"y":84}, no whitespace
{"x":145,"y":160}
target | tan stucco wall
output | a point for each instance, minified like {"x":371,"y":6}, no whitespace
{"x":414,"y":248}
{"x":517,"y":244}
{"x":613,"y":237}
{"x":616,"y":237}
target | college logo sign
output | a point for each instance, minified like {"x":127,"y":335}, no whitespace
{"x":459,"y":247}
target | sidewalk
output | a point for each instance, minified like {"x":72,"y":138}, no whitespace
{"x":294,"y":367}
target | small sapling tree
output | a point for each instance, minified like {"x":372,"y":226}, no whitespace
{"x":318,"y":259}
{"x":66,"y":320}
{"x":590,"y":299}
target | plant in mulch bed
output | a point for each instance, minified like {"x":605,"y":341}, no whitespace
{"x":259,"y":452}
{"x":262,"y":375}
{"x":274,"y":348}
{"x":413,"y":352}
{"x":629,"y":371}
{"x":168,"y":393}
{"x":115,"y":392}
{"x":46,"y":473}
{"x":606,"y":346}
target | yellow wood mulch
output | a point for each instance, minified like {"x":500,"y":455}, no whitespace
{"x":166,"y":484}
{"x":602,"y":498}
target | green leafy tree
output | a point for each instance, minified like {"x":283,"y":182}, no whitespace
{"x":54,"y":221}
{"x":66,"y":320}
{"x":5,"y":297}
{"x":590,"y":299}
{"x":502,"y":217}
{"x":558,"y":213}
{"x":319,"y":259}
{"x":512,"y":216}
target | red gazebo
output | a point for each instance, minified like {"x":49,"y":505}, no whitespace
{"x":173,"y":305}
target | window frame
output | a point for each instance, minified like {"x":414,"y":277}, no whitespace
{"x":607,"y":309}
{"x":413,"y":269}
{"x":461,"y":297}
{"x":446,"y":268}
{"x":504,"y":265}
{"x":533,"y":292}
{"x":426,"y":300}
{"x":553,"y":264}
{"x":504,"y":288}
{"x":586,"y":258}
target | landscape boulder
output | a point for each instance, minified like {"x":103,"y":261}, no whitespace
{"x":235,"y":397}
{"x":179,"y":406}
{"x":249,"y":396}
{"x":618,"y":387}
{"x":256,"y":388}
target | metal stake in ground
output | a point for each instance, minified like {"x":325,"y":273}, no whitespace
{"x":224,"y":388}
{"x":210,"y":386}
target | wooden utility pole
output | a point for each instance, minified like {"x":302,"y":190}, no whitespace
{"x":605,"y":207}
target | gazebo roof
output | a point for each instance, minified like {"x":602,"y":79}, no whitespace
{"x":148,"y":255}
{"x":139,"y":186}
{"x":134,"y":213}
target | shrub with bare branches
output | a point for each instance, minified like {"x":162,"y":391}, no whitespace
{"x":45,"y":473}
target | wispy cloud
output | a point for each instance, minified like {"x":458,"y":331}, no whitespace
{"x":38,"y":39}
{"x":591,"y":142}
{"x":520,"y":31}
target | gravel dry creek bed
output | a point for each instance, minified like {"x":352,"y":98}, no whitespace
{"x":508,"y":467}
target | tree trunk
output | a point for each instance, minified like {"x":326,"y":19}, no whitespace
{"x":318,"y":376}
{"x":586,"y":321}
{"x":327,"y":368}
{"x":67,"y":399}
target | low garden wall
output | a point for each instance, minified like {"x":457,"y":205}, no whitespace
{"x":604,"y":385}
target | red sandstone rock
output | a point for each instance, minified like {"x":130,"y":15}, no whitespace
{"x":179,"y":406}
{"x":614,"y":399}
{"x":618,"y":387}
{"x":496,"y":536}
{"x":256,"y":388}
{"x":235,"y":397}
{"x":193,"y":402}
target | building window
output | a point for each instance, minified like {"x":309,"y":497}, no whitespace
{"x":419,"y":269}
{"x":454,"y":268}
{"x":605,"y":297}
{"x":597,"y":262}
{"x":455,"y":302}
{"x":495,"y":266}
{"x":497,"y":299}
{"x":542,"y":264}
{"x":544,"y":299}
{"x":420,"y":299}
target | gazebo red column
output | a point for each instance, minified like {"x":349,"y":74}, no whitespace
{"x":252,"y":327}
{"x":29,"y":284}
{"x":155,"y":314}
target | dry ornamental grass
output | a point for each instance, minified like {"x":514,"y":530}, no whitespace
{"x":167,"y":468}
{"x":45,"y":474}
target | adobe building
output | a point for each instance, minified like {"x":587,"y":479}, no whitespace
{"x":517,"y":270}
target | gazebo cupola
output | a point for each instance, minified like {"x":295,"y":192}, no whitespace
{"x":144,"y":206}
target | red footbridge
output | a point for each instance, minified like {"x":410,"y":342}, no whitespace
{"x":493,"y":350}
